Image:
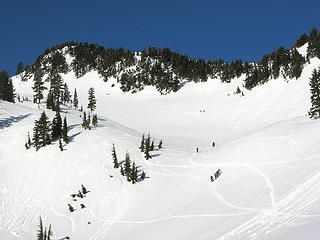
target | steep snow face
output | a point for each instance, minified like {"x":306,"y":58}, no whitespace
{"x":267,"y":149}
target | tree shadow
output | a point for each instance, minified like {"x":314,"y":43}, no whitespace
{"x":7,"y":122}
{"x":155,"y":155}
{"x":73,"y":126}
{"x":71,"y":138}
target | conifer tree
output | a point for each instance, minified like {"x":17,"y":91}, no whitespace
{"x":50,"y":233}
{"x":160,"y":144}
{"x":127,"y":167}
{"x":6,"y":87}
{"x":143,"y":175}
{"x":85,"y":121}
{"x":95,"y":120}
{"x":40,"y":235}
{"x":114,"y":157}
{"x":20,"y":68}
{"x":60,"y":145}
{"x":56,"y":129}
{"x":55,"y":93}
{"x":314,"y":112}
{"x":75,"y":99}
{"x":147,"y":148}
{"x":92,"y":99}
{"x":134,"y":173}
{"x":142,"y":144}
{"x":38,"y":87}
{"x":122,"y":171}
{"x":41,"y":136}
{"x":152,"y":146}
{"x":65,"y":130}
{"x":66,"y":94}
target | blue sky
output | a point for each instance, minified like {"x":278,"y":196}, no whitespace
{"x":201,"y":29}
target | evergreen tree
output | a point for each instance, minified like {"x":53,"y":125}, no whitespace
{"x":152,"y":146}
{"x":66,"y":94}
{"x":147,"y":148}
{"x":55,"y":93}
{"x":95,"y":120}
{"x":71,"y":209}
{"x":160,"y":144}
{"x":302,"y":40}
{"x":38,"y":87}
{"x":65,"y":130}
{"x":75,"y":99}
{"x":114,"y":157}
{"x":41,"y":136}
{"x":122,"y":171}
{"x":50,"y":233}
{"x":40,"y":235}
{"x":92,"y":99}
{"x":60,"y":145}
{"x":6,"y":87}
{"x":134,"y":173}
{"x":142,"y":144}
{"x":143,"y":175}
{"x":314,"y":112}
{"x":85,"y":121}
{"x":20,"y":68}
{"x":56,"y":129}
{"x":127,"y":167}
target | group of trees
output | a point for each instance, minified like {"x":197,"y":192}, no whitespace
{"x":92,"y":106}
{"x":128,"y":169}
{"x":81,"y":194}
{"x":147,"y":145}
{"x":6,"y":87}
{"x":44,"y":233}
{"x":45,"y":132}
{"x":88,"y":120}
{"x":166,"y":69}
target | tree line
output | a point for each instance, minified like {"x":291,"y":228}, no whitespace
{"x":166,"y":69}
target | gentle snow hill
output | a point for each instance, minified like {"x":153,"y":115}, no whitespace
{"x":266,"y":146}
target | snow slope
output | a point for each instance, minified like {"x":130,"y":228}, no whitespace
{"x":266,"y":146}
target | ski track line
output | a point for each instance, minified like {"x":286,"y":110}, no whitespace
{"x":121,"y":207}
{"x":281,"y":216}
{"x":269,"y":184}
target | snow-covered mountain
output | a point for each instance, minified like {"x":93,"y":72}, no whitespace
{"x":265,"y":145}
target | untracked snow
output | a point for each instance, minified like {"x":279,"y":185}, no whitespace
{"x":266,"y":146}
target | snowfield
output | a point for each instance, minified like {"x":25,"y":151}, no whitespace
{"x":266,"y":146}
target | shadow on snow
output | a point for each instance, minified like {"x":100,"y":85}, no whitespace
{"x":7,"y":122}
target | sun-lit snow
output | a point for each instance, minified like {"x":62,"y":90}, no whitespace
{"x":266,"y":146}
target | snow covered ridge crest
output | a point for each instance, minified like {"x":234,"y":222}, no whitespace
{"x":168,"y":71}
